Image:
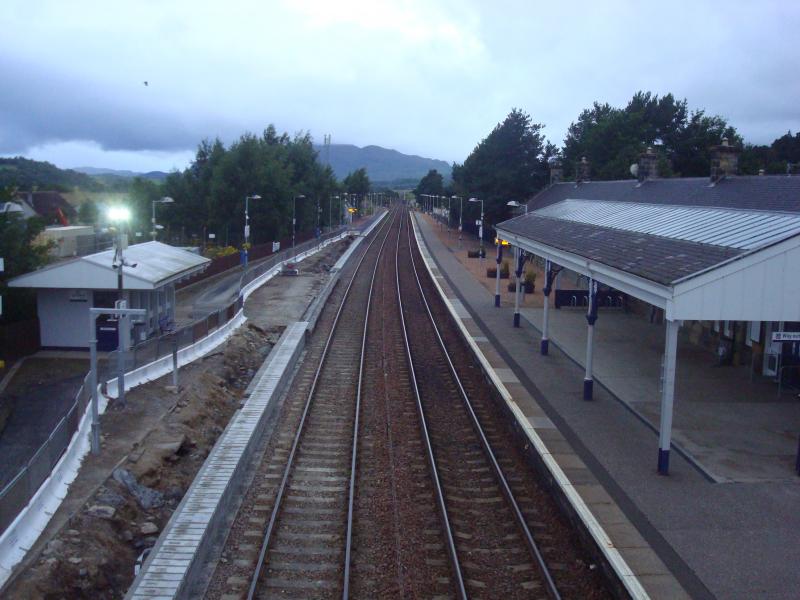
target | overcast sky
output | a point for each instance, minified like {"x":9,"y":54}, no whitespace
{"x":424,"y":77}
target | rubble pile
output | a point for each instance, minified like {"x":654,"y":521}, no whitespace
{"x":97,"y":552}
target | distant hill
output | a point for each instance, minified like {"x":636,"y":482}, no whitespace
{"x":27,"y":174}
{"x":384,"y":167}
{"x":122,"y":173}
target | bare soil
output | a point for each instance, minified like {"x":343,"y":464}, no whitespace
{"x":92,"y":544}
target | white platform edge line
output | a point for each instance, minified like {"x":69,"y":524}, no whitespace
{"x":615,"y":559}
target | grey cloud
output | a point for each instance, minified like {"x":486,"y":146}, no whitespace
{"x":40,"y":106}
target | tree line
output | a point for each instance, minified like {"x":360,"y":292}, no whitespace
{"x":512,"y":162}
{"x":210,"y":194}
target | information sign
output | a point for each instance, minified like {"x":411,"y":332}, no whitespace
{"x":786,"y":336}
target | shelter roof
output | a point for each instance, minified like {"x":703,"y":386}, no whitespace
{"x":718,"y":259}
{"x":764,"y":192}
{"x":157,"y":264}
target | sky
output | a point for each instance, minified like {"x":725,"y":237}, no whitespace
{"x":425,"y":77}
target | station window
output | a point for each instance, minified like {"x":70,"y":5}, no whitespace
{"x":753,"y":332}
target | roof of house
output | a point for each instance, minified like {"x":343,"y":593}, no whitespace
{"x":46,"y":204}
{"x":156,"y":265}
{"x":764,"y":192}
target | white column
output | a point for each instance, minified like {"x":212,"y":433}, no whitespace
{"x":667,"y":396}
{"x":544,"y":345}
{"x":518,"y":273}
{"x":498,"y":260}
{"x":591,"y":317}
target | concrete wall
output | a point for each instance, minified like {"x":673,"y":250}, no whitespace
{"x":63,"y":323}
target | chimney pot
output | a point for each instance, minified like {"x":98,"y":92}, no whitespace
{"x":724,"y":161}
{"x":556,"y":172}
{"x":648,"y":165}
{"x":583,"y":171}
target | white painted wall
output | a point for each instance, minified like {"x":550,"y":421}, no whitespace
{"x":761,"y":287}
{"x":61,"y":322}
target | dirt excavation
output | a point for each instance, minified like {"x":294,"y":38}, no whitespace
{"x":151,"y":450}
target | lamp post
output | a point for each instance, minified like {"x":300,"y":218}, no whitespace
{"x":247,"y":224}
{"x":330,"y":211}
{"x":164,"y":200}
{"x":120,"y":215}
{"x":515,"y":204}
{"x":294,"y":217}
{"x":460,"y":212}
{"x":518,"y":260}
{"x":480,"y":226}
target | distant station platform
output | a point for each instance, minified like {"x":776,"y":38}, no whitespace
{"x":724,"y":521}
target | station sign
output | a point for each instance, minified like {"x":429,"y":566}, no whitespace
{"x":786,"y":336}
{"x":498,"y":241}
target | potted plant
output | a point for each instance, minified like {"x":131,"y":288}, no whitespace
{"x":530,"y":282}
{"x":505,"y":271}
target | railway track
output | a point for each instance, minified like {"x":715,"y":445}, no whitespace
{"x":391,"y":473}
{"x":511,"y":539}
{"x":305,"y":547}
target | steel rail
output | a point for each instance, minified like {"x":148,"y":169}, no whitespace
{"x":531,"y":543}
{"x":451,"y":545}
{"x":295,"y":443}
{"x":352,"y":492}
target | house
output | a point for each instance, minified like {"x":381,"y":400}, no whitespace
{"x":51,"y":206}
{"x":67,"y":290}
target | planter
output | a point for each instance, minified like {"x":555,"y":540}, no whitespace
{"x":476,"y":254}
{"x":492,"y":273}
{"x":528,"y":288}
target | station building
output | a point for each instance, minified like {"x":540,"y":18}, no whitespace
{"x":65,"y":291}
{"x":716,"y":257}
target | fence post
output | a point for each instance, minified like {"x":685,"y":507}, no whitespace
{"x":175,"y":362}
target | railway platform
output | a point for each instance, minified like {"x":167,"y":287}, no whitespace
{"x":686,"y":534}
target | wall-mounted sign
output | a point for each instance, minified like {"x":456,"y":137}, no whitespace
{"x":78,"y":296}
{"x":786,"y":336}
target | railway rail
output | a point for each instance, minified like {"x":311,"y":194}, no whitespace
{"x":392,"y":472}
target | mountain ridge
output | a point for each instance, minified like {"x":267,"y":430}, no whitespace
{"x":383,"y":165}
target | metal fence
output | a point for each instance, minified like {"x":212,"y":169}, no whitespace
{"x":18,"y":492}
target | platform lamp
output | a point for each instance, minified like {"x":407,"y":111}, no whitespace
{"x":460,"y":212}
{"x":480,"y":226}
{"x":515,"y":204}
{"x":164,"y":200}
{"x":294,"y":217}
{"x":247,"y":225}
{"x":119,"y":216}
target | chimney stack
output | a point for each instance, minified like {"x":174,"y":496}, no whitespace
{"x":648,"y":165}
{"x":582,"y":171}
{"x":724,"y":161}
{"x":556,"y":172}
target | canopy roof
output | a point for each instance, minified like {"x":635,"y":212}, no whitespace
{"x":696,"y":262}
{"x":157,"y":264}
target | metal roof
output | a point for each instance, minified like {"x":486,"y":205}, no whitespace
{"x":754,"y":192}
{"x":156,"y":265}
{"x":731,"y":228}
{"x":155,"y":262}
{"x":657,"y":258}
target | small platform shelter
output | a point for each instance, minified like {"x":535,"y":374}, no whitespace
{"x":67,"y":290}
{"x":719,"y":250}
